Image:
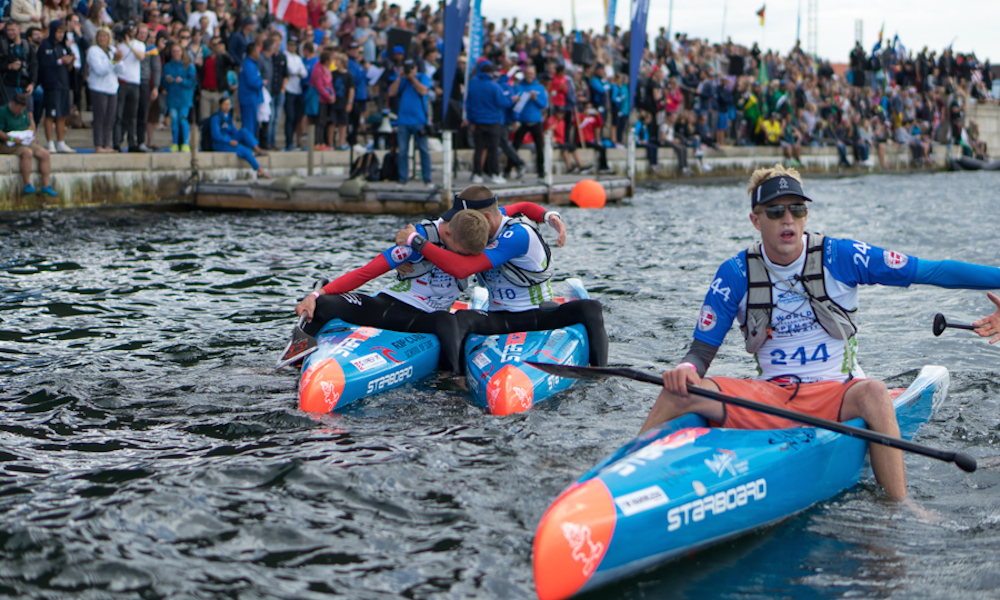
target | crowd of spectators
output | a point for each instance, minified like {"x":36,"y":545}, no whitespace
{"x":370,"y":75}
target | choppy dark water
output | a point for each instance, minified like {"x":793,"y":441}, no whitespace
{"x":147,"y":449}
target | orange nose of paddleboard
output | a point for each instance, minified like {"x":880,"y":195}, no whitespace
{"x":509,"y":391}
{"x":321,"y":387}
{"x":572,"y":539}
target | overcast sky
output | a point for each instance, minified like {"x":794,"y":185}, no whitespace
{"x":932,"y":23}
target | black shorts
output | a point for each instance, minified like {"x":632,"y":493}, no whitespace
{"x":56,"y":103}
{"x":338,"y":116}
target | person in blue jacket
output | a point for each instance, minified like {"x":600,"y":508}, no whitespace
{"x":251,"y":90}
{"x":531,"y":116}
{"x":513,"y":160}
{"x":226,"y":138}
{"x":180,"y":78}
{"x":485,"y":103}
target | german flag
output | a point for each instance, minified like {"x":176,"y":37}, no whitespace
{"x":760,"y":13}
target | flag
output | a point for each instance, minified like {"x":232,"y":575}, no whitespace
{"x":760,"y":13}
{"x":640,"y":11}
{"x":456,"y":13}
{"x":610,"y":11}
{"x":475,"y":43}
{"x":292,"y":12}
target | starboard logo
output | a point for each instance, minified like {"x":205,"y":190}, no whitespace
{"x":895,"y":260}
{"x":584,"y":549}
{"x":707,"y":318}
{"x":782,"y":184}
{"x":716,"y":504}
{"x":726,"y":461}
{"x":330,"y":393}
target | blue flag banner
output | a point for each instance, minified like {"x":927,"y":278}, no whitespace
{"x":475,"y":40}
{"x":343,"y":6}
{"x":455,"y":14}
{"x":612,"y":5}
{"x":640,"y":10}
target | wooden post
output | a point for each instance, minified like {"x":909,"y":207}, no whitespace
{"x":446,"y":180}
{"x":310,"y":142}
{"x":548,"y":160}
{"x":631,"y":162}
{"x":195,"y":142}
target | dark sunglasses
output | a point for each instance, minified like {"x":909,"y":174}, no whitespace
{"x":777,"y":211}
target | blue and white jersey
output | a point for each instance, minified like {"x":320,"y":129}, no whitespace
{"x":519,"y":246}
{"x":798,"y":344}
{"x":434,"y":290}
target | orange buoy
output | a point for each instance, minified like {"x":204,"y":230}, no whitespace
{"x":588,"y":194}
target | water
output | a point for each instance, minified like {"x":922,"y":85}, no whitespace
{"x":148,"y":450}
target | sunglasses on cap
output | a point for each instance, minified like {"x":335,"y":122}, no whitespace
{"x":799,"y":211}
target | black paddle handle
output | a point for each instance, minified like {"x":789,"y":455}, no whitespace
{"x":964,"y":461}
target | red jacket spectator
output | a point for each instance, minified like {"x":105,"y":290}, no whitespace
{"x":589,"y":124}
{"x":558,"y":90}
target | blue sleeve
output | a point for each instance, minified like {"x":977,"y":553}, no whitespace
{"x":398,"y":255}
{"x":189,"y":78}
{"x":722,"y":301}
{"x":218,"y":135}
{"x":542,"y":100}
{"x":512,"y":243}
{"x":856,"y":263}
{"x":957,"y":275}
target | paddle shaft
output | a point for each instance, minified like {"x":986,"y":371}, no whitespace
{"x":964,"y":461}
{"x":960,"y":326}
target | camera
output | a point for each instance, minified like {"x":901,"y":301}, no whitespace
{"x":123,"y":32}
{"x":408,"y":68}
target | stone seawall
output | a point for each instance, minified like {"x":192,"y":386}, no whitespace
{"x":101,"y":179}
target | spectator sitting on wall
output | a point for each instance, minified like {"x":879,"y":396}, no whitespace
{"x":589,"y":122}
{"x":412,"y":87}
{"x":772,"y":129}
{"x":14,"y":116}
{"x":484,"y":106}
{"x":226,"y":138}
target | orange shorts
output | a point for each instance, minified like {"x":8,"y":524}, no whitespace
{"x":820,"y":399}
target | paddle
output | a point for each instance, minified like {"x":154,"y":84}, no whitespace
{"x":940,"y":324}
{"x":302,"y":344}
{"x":964,"y":461}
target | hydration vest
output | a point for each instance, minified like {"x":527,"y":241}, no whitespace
{"x":832,"y":317}
{"x":424,"y":266}
{"x":520,"y":276}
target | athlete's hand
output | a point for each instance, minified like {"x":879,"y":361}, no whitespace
{"x":677,"y":380}
{"x":307,"y":307}
{"x":990,"y":325}
{"x":404,"y":234}
{"x":556,"y":223}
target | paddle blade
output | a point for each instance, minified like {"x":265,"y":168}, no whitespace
{"x":301,"y":346}
{"x":965,"y":462}
{"x":939,"y":324}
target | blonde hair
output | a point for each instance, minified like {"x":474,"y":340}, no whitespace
{"x":763,"y":174}
{"x":470,"y":229}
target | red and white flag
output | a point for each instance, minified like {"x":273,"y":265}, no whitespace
{"x":292,"y":12}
